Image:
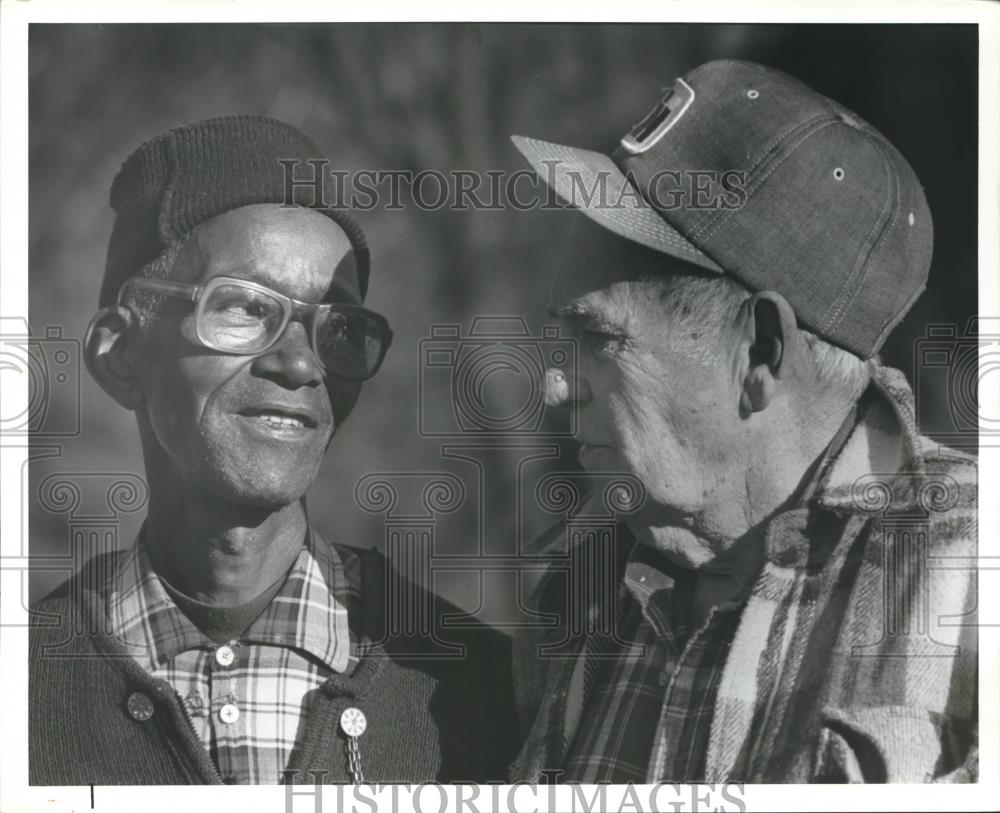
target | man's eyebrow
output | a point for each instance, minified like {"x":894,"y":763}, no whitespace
{"x":585,"y":316}
{"x":574,"y":312}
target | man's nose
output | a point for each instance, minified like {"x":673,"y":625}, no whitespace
{"x":562,"y":388}
{"x":291,"y":360}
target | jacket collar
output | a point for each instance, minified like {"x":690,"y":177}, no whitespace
{"x":884,"y":443}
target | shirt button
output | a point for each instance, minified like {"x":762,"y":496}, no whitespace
{"x":353,"y":722}
{"x":224,"y":655}
{"x":229,"y":714}
{"x":663,"y":678}
{"x":140,"y":706}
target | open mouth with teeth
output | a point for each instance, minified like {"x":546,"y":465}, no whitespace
{"x":283,"y":421}
{"x":280,"y":420}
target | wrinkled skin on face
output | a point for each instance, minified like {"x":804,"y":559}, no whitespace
{"x":247,"y":429}
{"x":645,"y":404}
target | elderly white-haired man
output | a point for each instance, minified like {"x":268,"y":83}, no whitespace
{"x":781,"y":614}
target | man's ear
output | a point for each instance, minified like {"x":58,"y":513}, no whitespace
{"x":770,"y":345}
{"x":109,"y":356}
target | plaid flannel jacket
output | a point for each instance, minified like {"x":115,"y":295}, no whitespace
{"x":299,"y":641}
{"x":855,"y":655}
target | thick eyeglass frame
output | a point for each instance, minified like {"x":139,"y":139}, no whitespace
{"x":305,"y":312}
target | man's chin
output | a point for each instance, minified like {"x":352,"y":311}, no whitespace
{"x":279,"y":489}
{"x":268,"y":500}
{"x":680,"y":545}
{"x":256,"y":498}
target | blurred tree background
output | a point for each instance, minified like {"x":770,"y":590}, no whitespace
{"x":443,"y":97}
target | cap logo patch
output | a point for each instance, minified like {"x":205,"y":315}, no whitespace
{"x":658,"y":121}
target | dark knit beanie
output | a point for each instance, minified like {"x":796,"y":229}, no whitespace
{"x":192,"y":173}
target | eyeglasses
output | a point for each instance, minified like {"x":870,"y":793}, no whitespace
{"x":242,"y":317}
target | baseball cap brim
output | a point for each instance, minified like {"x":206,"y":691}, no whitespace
{"x":573,"y":174}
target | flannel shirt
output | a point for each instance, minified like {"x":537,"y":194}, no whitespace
{"x":651,"y":699}
{"x":855,"y":655}
{"x":246,"y":700}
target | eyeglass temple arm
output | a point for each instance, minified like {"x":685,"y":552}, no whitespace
{"x":179,"y":289}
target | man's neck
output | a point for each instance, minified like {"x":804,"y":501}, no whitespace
{"x":723,"y":579}
{"x":724,"y":543}
{"x":219,"y":553}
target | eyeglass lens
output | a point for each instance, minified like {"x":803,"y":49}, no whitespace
{"x":238,"y":318}
{"x":243,"y":320}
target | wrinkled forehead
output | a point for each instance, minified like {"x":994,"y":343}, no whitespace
{"x":596,"y":259}
{"x":298,"y":252}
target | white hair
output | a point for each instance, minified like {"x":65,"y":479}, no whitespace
{"x":701,"y":306}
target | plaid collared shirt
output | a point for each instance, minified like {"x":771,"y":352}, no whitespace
{"x":246,"y":700}
{"x":650,"y":702}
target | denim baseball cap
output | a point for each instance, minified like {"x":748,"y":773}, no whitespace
{"x":743,"y":170}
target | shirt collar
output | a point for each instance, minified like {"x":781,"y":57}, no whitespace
{"x":648,"y":572}
{"x":876,"y":463}
{"x":309,"y":611}
{"x":885,"y":447}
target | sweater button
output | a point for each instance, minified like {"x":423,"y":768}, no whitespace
{"x":140,"y":706}
{"x":353,"y":722}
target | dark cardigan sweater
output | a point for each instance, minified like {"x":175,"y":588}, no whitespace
{"x":432,"y":714}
